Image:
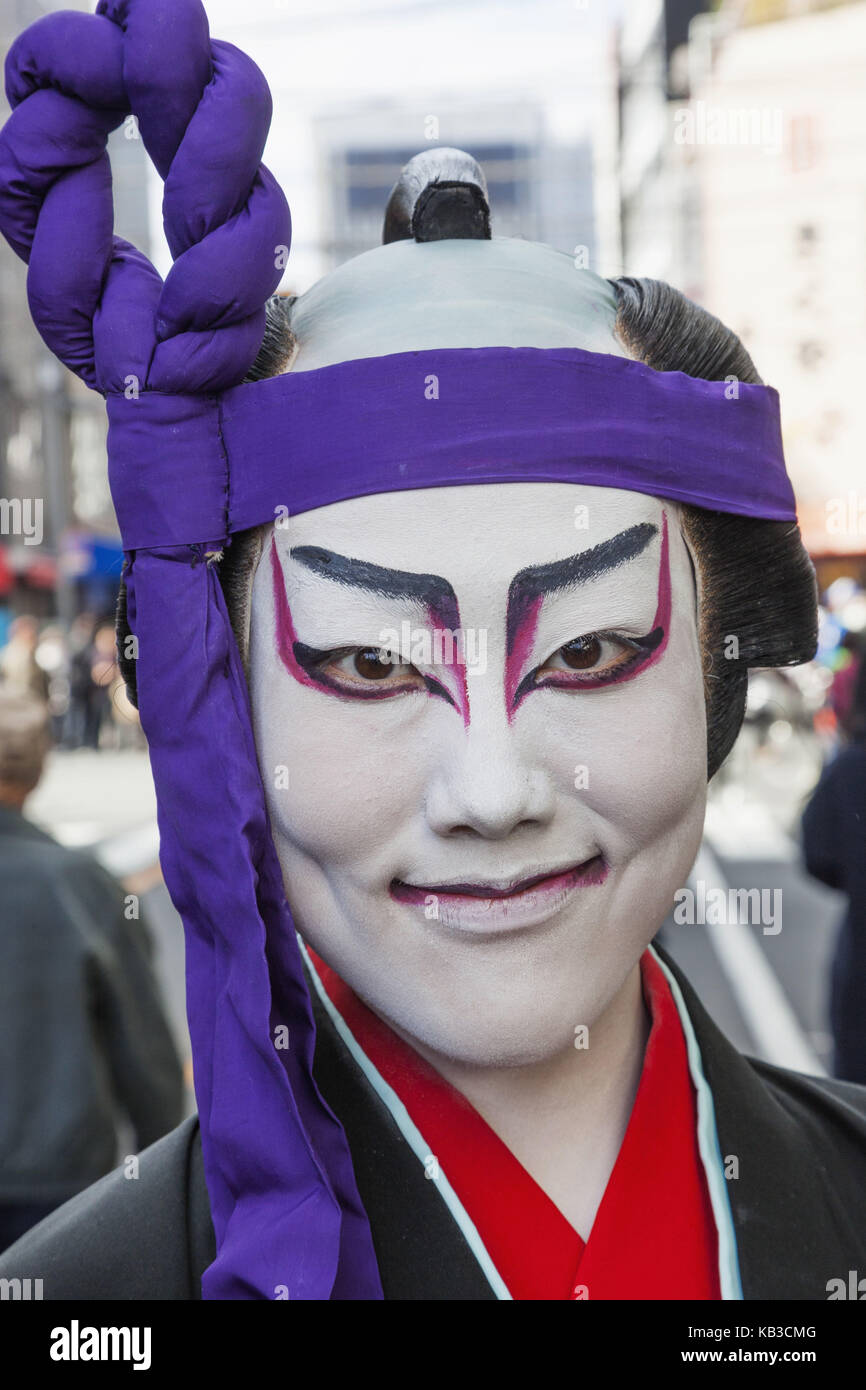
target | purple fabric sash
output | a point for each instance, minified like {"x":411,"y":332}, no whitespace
{"x":499,"y":415}
{"x":502,"y":415}
{"x":194,"y":457}
{"x":288,"y":1219}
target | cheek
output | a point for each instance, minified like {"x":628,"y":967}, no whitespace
{"x":341,"y":778}
{"x":652,"y":751}
{"x":654,"y":746}
{"x":637,"y":751}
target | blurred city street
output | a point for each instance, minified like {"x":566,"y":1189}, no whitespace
{"x":104,"y":801}
{"x":768,"y":990}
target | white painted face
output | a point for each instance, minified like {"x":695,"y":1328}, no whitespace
{"x":482,"y":833}
{"x":480,"y":836}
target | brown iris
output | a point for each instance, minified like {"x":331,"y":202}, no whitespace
{"x":372,"y":665}
{"x":582,"y":654}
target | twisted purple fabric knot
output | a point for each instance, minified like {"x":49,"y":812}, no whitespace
{"x":203,"y":110}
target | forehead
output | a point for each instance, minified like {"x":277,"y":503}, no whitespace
{"x":485,"y":532}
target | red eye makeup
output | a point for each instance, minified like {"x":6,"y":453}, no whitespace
{"x":590,"y":661}
{"x":593,"y":660}
{"x":365,"y":673}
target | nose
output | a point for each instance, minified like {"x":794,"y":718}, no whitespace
{"x":483,"y":785}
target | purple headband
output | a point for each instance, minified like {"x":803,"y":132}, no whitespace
{"x":305,"y":439}
{"x":194,"y":457}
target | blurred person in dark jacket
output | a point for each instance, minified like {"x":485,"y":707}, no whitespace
{"x":83,"y":1039}
{"x":834,"y":848}
{"x":844,"y":684}
{"x":87,"y":694}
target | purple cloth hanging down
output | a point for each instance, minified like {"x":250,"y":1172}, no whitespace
{"x":288,"y":1219}
{"x":194,"y":457}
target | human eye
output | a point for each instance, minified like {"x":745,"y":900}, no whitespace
{"x":358,"y":671}
{"x":596,"y":659}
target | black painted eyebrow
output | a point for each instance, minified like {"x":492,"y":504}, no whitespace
{"x":431,"y":590}
{"x":537,"y":580}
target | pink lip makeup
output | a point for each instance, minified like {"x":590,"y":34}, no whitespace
{"x":481,"y":908}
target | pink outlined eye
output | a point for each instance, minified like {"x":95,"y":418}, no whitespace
{"x":361,"y":679}
{"x":586,"y":662}
{"x":362,"y":666}
{"x":359,"y":673}
{"x":595,"y":653}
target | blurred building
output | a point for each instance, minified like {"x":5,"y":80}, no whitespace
{"x":58,"y":546}
{"x":743,"y":182}
{"x":359,"y":86}
{"x":782,"y":193}
{"x":657,"y":190}
{"x":538,"y":188}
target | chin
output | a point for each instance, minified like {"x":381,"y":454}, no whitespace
{"x":498,"y":1042}
{"x":514,"y":1017}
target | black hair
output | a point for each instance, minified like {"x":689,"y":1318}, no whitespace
{"x":758,"y":597}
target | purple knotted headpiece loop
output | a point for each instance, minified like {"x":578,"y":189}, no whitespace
{"x":288,"y":1219}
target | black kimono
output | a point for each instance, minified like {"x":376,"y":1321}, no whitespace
{"x":798,"y":1203}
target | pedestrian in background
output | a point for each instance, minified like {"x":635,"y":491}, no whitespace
{"x":20,"y":672}
{"x":834,"y":849}
{"x":84,"y":1043}
{"x":52,"y":655}
{"x":844,"y":684}
{"x":77,"y":730}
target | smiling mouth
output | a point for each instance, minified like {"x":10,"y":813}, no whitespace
{"x":502,"y":905}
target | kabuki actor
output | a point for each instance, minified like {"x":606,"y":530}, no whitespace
{"x":432,"y":573}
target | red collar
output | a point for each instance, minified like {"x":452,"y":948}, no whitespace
{"x":654,"y":1236}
